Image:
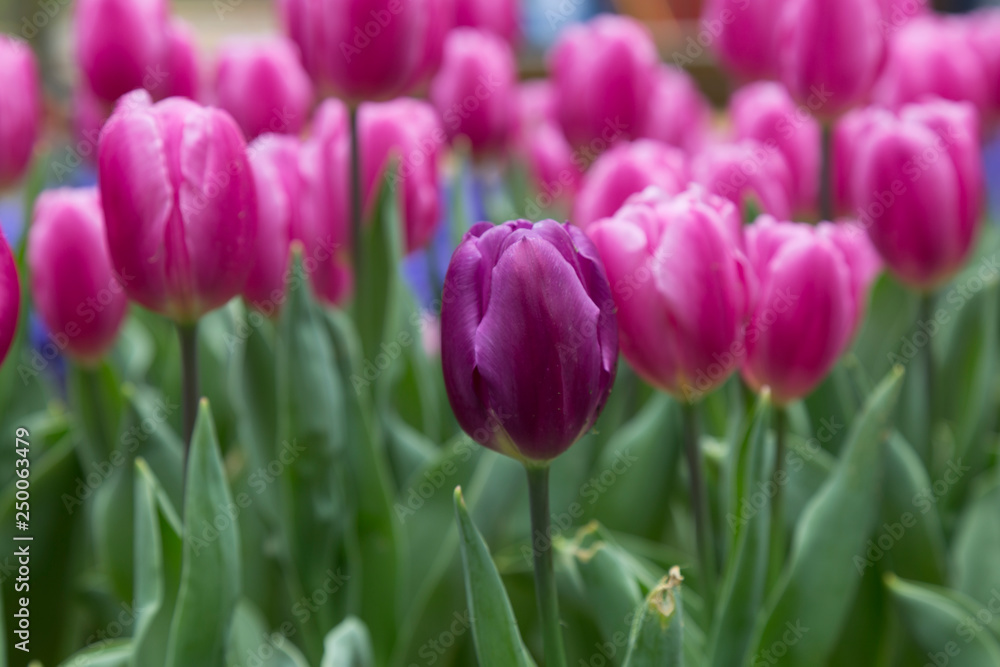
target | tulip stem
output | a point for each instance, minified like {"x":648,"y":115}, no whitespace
{"x":545,"y":581}
{"x":699,"y":507}
{"x":778,"y":537}
{"x":188,"y":334}
{"x":926,"y":316}
{"x":355,"y":190}
{"x":826,"y":173}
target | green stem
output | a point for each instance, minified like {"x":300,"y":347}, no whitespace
{"x":826,"y":211}
{"x":545,"y":581}
{"x":356,"y":214}
{"x":699,"y":507}
{"x":779,"y":540}
{"x":188,"y":334}
{"x":927,"y":315}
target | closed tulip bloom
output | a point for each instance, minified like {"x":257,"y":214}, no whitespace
{"x":624,"y":171}
{"x":182,"y":66}
{"x":73,"y":283}
{"x":20,"y":108}
{"x":848,"y":133}
{"x":746,"y":171}
{"x":918,"y":186}
{"x":500,"y":17}
{"x":983,"y":29}
{"x":179,"y":202}
{"x":680,"y":286}
{"x":551,"y":164}
{"x":474,"y":90}
{"x":529,"y":338}
{"x":806,"y":309}
{"x":744,"y":35}
{"x":534,"y":104}
{"x":862,"y":259}
{"x":10,"y":297}
{"x":832,"y":52}
{"x":766,"y":112}
{"x":679,"y":114}
{"x":261,"y":83}
{"x":897,"y":13}
{"x":441,"y":14}
{"x":410,"y":131}
{"x":604,"y":73}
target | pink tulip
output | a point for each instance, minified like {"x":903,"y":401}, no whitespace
{"x":441,"y":15}
{"x":848,"y":133}
{"x":474,"y":90}
{"x":74,"y":286}
{"x":679,"y":114}
{"x":745,"y":171}
{"x":681,"y":289}
{"x":766,"y":112}
{"x":743,"y":32}
{"x":862,"y":259}
{"x":983,"y":30}
{"x":807,"y":309}
{"x":10,"y":297}
{"x":624,"y":171}
{"x":20,"y":109}
{"x":534,"y":104}
{"x":897,"y":13}
{"x":918,"y":185}
{"x":410,"y":131}
{"x":183,"y":77}
{"x":180,"y":204}
{"x":501,"y":17}
{"x":831,"y":53}
{"x":262,"y":84}
{"x":552,"y":166}
{"x":604,"y":73}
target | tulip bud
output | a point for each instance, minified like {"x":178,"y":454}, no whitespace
{"x":743,"y":32}
{"x":529,"y":338}
{"x":624,"y":171}
{"x":831,"y":53}
{"x":667,"y":258}
{"x":848,"y":133}
{"x":746,"y":171}
{"x":679,"y":115}
{"x":862,"y":260}
{"x":262,"y":84}
{"x":474,"y":89}
{"x":918,"y":185}
{"x":603,"y":72}
{"x":442,"y":19}
{"x":410,"y":132}
{"x":766,"y":112}
{"x":182,"y":69}
{"x":179,"y":202}
{"x":10,"y":297}
{"x":806,"y":311}
{"x":500,"y":17}
{"x":534,"y":104}
{"x":73,"y":284}
{"x":983,"y":30}
{"x":551,"y":165}
{"x":20,"y":108}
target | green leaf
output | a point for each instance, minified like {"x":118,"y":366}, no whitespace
{"x":151,"y":436}
{"x":942,"y":627}
{"x":976,"y":548}
{"x":114,"y":653}
{"x":96,"y":397}
{"x":210,"y":575}
{"x":250,"y":643}
{"x":494,"y":628}
{"x":827,"y":558}
{"x":348,"y":645}
{"x":657,"y":631}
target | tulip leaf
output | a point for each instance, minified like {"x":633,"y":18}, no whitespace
{"x":942,"y":626}
{"x":94,"y":393}
{"x":808,"y":606}
{"x":151,"y":436}
{"x":657,"y":633}
{"x":348,"y":645}
{"x":250,"y":643}
{"x":494,"y":628}
{"x":113,"y":653}
{"x":211,"y":570}
{"x":976,"y":548}
{"x":742,"y":590}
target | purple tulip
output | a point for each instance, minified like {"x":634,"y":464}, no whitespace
{"x":474,"y":89}
{"x":604,"y":73}
{"x":10,"y":297}
{"x":180,"y":204}
{"x":529,"y":338}
{"x":75,"y":288}
{"x":410,"y":131}
{"x":745,"y":171}
{"x":831,"y":52}
{"x":20,"y":109}
{"x":918,"y":185}
{"x":766,"y":112}
{"x":680,"y":286}
{"x":806,"y":311}
{"x":743,"y":35}
{"x":624,"y":171}
{"x":262,"y":84}
{"x":679,"y":115}
{"x":501,"y":17}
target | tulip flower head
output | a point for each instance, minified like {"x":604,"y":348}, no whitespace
{"x":10,"y":297}
{"x":529,"y":337}
{"x":500,"y":17}
{"x":744,"y":35}
{"x":74,"y":286}
{"x":746,"y":171}
{"x":679,"y":115}
{"x":20,"y":108}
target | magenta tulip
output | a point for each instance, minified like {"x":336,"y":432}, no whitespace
{"x":848,"y":133}
{"x":410,"y":131}
{"x":624,"y":171}
{"x":806,"y":311}
{"x":983,"y":30}
{"x":183,"y":78}
{"x":679,"y":114}
{"x":831,"y":52}
{"x":78,"y":293}
{"x":862,"y":259}
{"x":474,"y":90}
{"x":529,"y":337}
{"x":20,"y":109}
{"x":441,"y":14}
{"x":746,"y":171}
{"x":262,"y":84}
{"x":604,"y":73}
{"x":180,"y":204}
{"x":10,"y":297}
{"x":552,"y":166}
{"x":766,"y":112}
{"x":743,"y":35}
{"x":680,"y":286}
{"x":534,"y":104}
{"x":501,"y":17}
{"x":918,"y":185}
